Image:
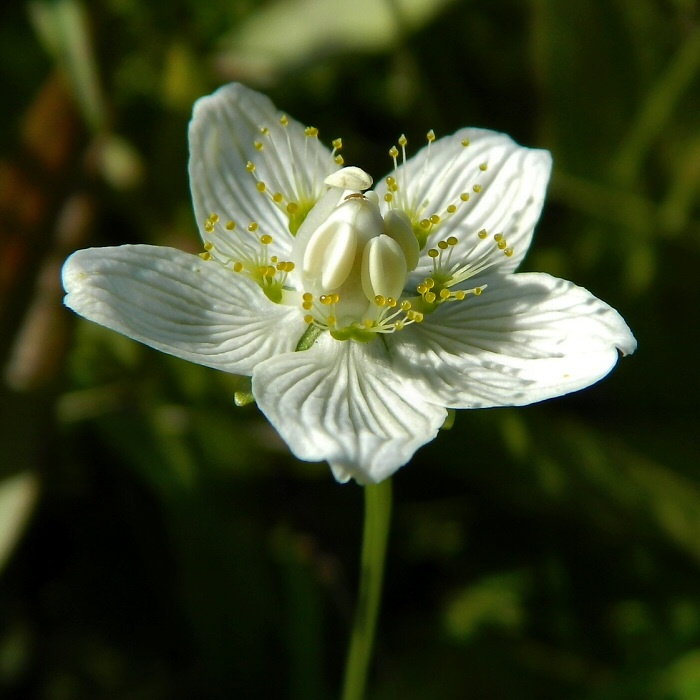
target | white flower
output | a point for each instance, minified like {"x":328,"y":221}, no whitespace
{"x":362,"y":316}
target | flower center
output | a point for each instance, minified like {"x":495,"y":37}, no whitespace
{"x":353,"y":263}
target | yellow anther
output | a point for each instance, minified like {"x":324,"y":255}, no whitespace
{"x":429,"y":282}
{"x":284,"y":120}
{"x":451,"y":209}
{"x":335,"y":298}
{"x":277,"y":197}
{"x":452,"y":241}
{"x":388,"y":197}
{"x":391,"y":302}
{"x":258,"y":145}
{"x":307,"y":296}
{"x":311,"y":131}
{"x":405,"y":306}
{"x":425,"y":223}
{"x":208,"y":226}
{"x":307,"y":305}
{"x":477,"y":291}
{"x":270,"y":271}
{"x":326,"y":299}
{"x":250,"y":166}
{"x":483,"y":167}
{"x":483,"y":234}
{"x":308,"y":319}
{"x":433,"y":253}
{"x":214,"y":218}
{"x":421,"y":289}
{"x":394,"y":152}
{"x":442,"y":245}
{"x":402,"y":140}
{"x":292,"y":208}
{"x":339,"y":160}
{"x":434,"y":219}
{"x":337,"y":144}
{"x":206,"y":255}
{"x":498,"y":237}
{"x":238,"y":266}
{"x":261,"y":186}
{"x":379,"y":300}
{"x":508,"y":252}
{"x":266,"y":239}
{"x":460,"y":294}
{"x":444,"y":294}
{"x":208,"y":246}
{"x":465,"y":142}
{"x":390,"y":182}
{"x":430,"y":136}
{"x":230,"y":225}
{"x":399,"y":325}
{"x":368,"y":323}
{"x":502,"y":245}
{"x":477,"y":188}
{"x":264,"y":130}
{"x":430,"y":297}
{"x":253,"y":226}
{"x":289,"y":266}
{"x":464,"y":196}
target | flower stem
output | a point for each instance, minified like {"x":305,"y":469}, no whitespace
{"x":374,"y":539}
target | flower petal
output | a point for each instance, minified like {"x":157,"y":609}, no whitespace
{"x":528,"y":337}
{"x":512,"y":181}
{"x":344,"y":403}
{"x":223,"y":132}
{"x":179,"y":304}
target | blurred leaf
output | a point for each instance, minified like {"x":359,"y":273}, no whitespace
{"x":63,"y":27}
{"x":682,"y":680}
{"x":287,"y":33}
{"x":18,"y":496}
{"x":494,"y":601}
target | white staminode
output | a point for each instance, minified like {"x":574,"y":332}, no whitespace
{"x":384,"y":268}
{"x":361,"y":315}
{"x":350,"y":178}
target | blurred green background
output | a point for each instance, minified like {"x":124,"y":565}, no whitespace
{"x":157,"y":542}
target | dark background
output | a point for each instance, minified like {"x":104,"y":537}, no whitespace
{"x":157,"y":542}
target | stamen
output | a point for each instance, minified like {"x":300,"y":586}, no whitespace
{"x":242,"y":253}
{"x":426,"y":223}
{"x":278,"y":146}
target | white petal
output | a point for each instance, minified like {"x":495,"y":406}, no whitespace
{"x":512,"y":192}
{"x":343,"y":402}
{"x":179,"y":304}
{"x":222,"y":133}
{"x":528,"y":337}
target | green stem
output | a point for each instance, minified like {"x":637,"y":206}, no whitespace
{"x":374,"y":539}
